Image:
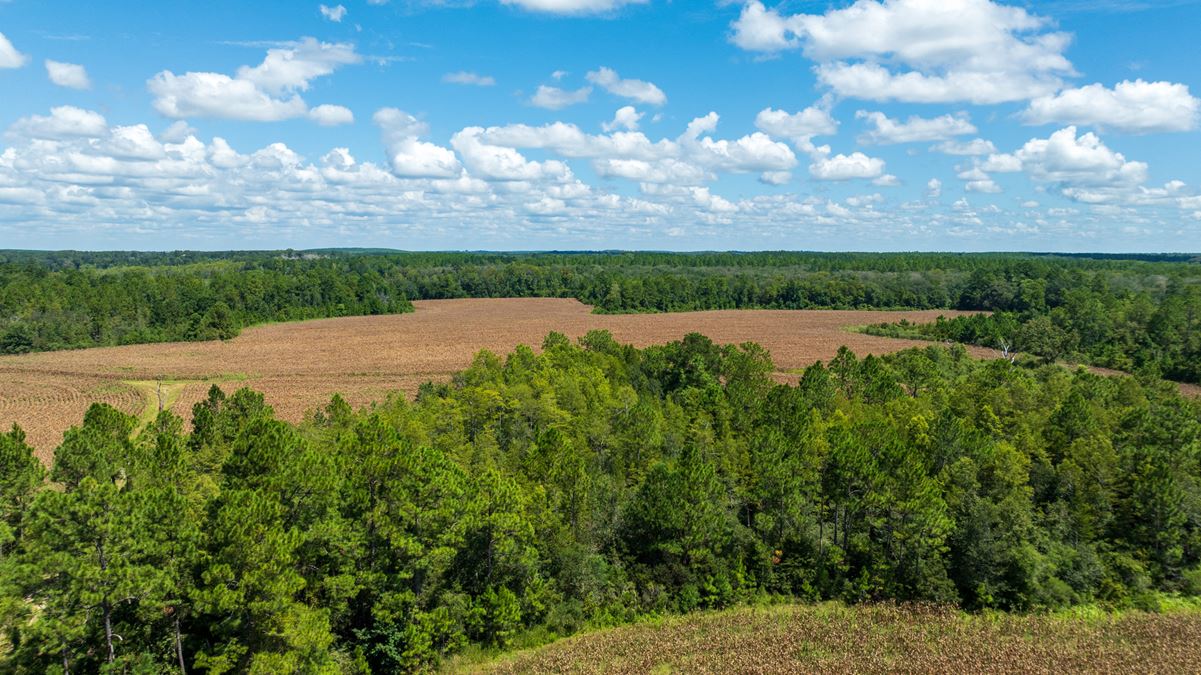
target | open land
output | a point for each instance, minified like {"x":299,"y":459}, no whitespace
{"x":833,"y":638}
{"x":298,"y":366}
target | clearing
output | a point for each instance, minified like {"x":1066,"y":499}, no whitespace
{"x":298,"y":366}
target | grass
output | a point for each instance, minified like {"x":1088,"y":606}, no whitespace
{"x":163,"y":394}
{"x":831,"y":637}
{"x":158,"y":395}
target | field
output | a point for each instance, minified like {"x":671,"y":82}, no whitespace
{"x":298,"y":366}
{"x":833,"y":638}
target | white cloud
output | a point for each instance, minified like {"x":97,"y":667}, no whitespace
{"x":917,"y":50}
{"x":1136,"y":107}
{"x":636,"y":90}
{"x":664,"y":171}
{"x":626,"y":118}
{"x":263,"y":93}
{"x":63,"y":122}
{"x":291,"y":67}
{"x":335,"y":14}
{"x":934,"y":188}
{"x":9,"y":56}
{"x":465,"y":77}
{"x":219,"y":95}
{"x":331,"y":115}
{"x":846,"y":167}
{"x":976,"y":146}
{"x":1001,"y":163}
{"x":554,"y":98}
{"x":177,"y":132}
{"x":570,"y":6}
{"x":68,"y":75}
{"x":800,"y":128}
{"x":915,"y":129}
{"x":775,"y":177}
{"x":495,"y":162}
{"x":409,"y":156}
{"x":1067,"y":159}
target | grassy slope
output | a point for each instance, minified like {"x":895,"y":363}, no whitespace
{"x":886,"y":638}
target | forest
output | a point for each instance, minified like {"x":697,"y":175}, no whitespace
{"x":1134,"y":313}
{"x":585,"y":485}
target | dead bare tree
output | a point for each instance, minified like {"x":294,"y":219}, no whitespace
{"x":1007,"y":351}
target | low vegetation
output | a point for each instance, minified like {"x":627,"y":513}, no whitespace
{"x":833,"y":638}
{"x":596,"y":483}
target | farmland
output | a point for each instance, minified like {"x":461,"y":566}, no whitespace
{"x":298,"y":366}
{"x":832,"y":638}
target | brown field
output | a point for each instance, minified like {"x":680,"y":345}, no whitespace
{"x":298,"y":366}
{"x":836,"y":639}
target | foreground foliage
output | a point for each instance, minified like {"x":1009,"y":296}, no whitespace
{"x":586,"y":486}
{"x":865,"y":639}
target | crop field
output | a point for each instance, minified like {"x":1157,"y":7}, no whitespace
{"x":298,"y":366}
{"x":833,"y":638}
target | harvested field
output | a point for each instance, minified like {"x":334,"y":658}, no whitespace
{"x":298,"y":366}
{"x":832,"y":638}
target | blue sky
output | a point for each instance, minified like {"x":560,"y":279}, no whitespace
{"x":589,"y":124}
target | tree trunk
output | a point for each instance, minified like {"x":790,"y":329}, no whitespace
{"x":108,"y":630}
{"x":105,"y":607}
{"x":179,"y":645}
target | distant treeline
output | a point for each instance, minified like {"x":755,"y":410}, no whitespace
{"x":1156,"y":331}
{"x":1127,"y":312}
{"x":588,"y":485}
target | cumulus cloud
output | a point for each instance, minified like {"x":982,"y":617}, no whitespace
{"x":571,"y":6}
{"x":331,"y":115}
{"x":63,"y":122}
{"x":262,"y":93}
{"x":69,"y":174}
{"x":554,"y":98}
{"x":1072,"y":160}
{"x":800,"y":127}
{"x":635,"y":90}
{"x":1136,"y":107}
{"x":70,"y":75}
{"x":409,"y":156}
{"x":846,"y":167}
{"x":469,"y":78}
{"x":9,"y":56}
{"x":335,"y":14}
{"x":500,"y":163}
{"x":1079,"y":166}
{"x":915,"y":129}
{"x":692,"y":158}
{"x":976,"y":146}
{"x":934,"y":188}
{"x":219,"y":95}
{"x":626,"y":118}
{"x":293,"y":66}
{"x":917,"y":50}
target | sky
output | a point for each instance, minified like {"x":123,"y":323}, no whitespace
{"x":958,"y":125}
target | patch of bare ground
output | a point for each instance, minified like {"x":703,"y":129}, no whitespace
{"x":872,"y":639}
{"x":298,"y":366}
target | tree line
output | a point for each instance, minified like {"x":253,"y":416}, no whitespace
{"x":538,"y":494}
{"x":1134,"y":313}
{"x":1156,"y":332}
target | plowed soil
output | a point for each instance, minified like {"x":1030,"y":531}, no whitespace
{"x":298,"y":366}
{"x":871,"y":639}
